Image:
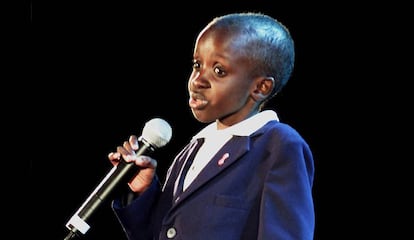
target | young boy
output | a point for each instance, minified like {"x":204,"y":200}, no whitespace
{"x":252,"y":177}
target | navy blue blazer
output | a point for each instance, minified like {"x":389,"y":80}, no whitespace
{"x":263,"y":190}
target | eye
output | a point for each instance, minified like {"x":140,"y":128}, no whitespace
{"x":196,"y":65}
{"x":220,"y":72}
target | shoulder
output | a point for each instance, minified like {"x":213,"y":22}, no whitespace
{"x":279,"y":129}
{"x":275,"y":131}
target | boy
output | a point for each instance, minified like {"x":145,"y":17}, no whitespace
{"x":252,"y":177}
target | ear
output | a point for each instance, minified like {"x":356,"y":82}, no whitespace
{"x":263,"y":88}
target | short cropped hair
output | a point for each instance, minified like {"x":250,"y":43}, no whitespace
{"x":268,"y":44}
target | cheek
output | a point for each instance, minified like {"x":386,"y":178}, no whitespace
{"x":239,"y":90}
{"x":231,"y":98}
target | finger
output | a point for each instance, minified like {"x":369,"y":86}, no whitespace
{"x":123,"y":150}
{"x":133,"y":141}
{"x":128,"y":147}
{"x":145,"y":161}
{"x":126,"y":155}
{"x":114,"y":156}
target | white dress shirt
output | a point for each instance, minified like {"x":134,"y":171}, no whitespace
{"x":215,"y":139}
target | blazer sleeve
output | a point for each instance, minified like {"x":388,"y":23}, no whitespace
{"x":287,"y":207}
{"x":134,"y":214}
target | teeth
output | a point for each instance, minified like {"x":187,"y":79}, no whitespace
{"x":197,"y":101}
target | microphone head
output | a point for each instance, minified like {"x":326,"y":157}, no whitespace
{"x":157,"y":132}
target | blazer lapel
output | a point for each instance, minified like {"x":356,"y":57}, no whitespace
{"x":229,"y":153}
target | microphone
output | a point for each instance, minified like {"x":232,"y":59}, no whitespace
{"x":155,"y":134}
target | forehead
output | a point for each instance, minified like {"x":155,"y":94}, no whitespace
{"x":227,"y":48}
{"x":227,"y":39}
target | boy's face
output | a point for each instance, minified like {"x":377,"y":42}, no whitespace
{"x":220,"y":85}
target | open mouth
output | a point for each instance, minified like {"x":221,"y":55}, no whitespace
{"x":197,"y":101}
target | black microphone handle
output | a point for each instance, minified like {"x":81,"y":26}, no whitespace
{"x":120,"y":173}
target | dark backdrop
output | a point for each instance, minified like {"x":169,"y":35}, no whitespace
{"x":103,"y":69}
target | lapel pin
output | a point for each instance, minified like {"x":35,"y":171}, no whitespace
{"x":223,"y":158}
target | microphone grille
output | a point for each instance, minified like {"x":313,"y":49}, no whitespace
{"x":157,"y":132}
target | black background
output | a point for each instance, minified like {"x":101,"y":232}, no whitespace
{"x":95,"y":72}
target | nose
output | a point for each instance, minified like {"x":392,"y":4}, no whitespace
{"x":198,"y":81}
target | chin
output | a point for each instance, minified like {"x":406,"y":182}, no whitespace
{"x":199,"y":116}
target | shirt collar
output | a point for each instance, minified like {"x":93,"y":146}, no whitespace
{"x":243,"y":128}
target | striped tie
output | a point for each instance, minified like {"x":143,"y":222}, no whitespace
{"x":187,"y":160}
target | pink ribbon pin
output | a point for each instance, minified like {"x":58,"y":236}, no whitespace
{"x":223,"y":158}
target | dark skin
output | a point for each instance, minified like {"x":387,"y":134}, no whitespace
{"x":221,"y":88}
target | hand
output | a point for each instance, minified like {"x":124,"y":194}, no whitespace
{"x":147,"y":165}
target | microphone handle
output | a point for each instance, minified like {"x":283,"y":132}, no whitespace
{"x":122,"y":172}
